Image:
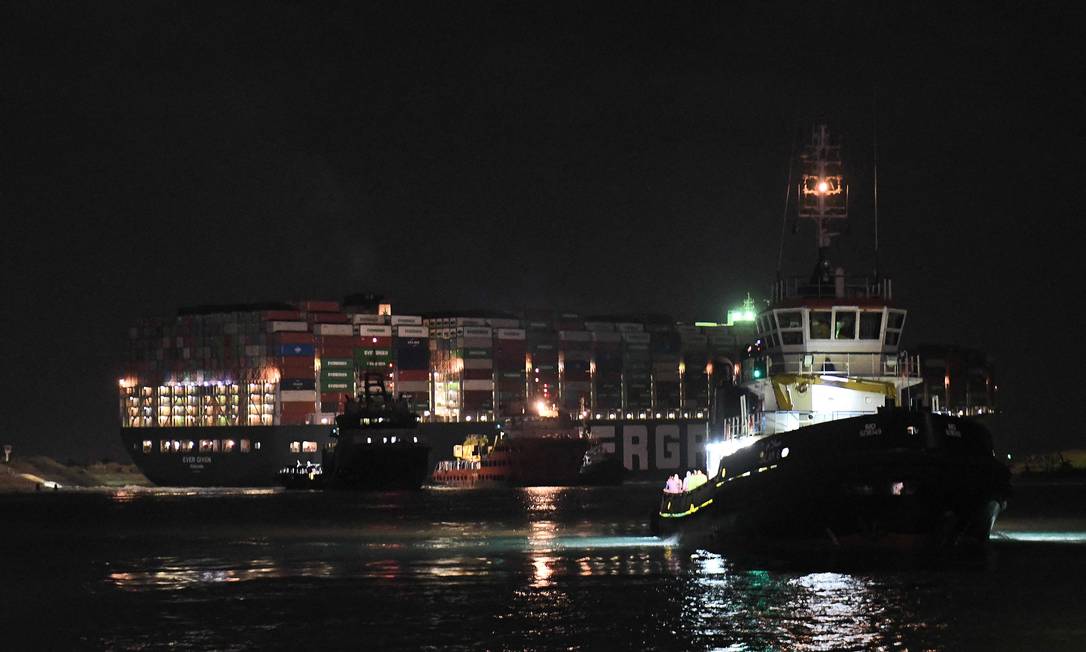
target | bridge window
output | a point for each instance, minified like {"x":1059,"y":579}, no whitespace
{"x":844,"y":325}
{"x":228,"y":445}
{"x":244,"y":448}
{"x":295,"y":447}
{"x":820,"y":324}
{"x":792,"y":337}
{"x":897,"y":319}
{"x":188,"y":446}
{"x":309,"y":447}
{"x":790,"y":319}
{"x":147,"y":445}
{"x":207,"y":445}
{"x":870,"y":325}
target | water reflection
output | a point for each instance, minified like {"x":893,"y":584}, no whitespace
{"x":732,"y":606}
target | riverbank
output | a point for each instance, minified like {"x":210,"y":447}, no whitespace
{"x":38,"y":473}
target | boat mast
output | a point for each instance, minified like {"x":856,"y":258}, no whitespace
{"x":823,"y":194}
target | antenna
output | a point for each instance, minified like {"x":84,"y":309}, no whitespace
{"x":822,"y":193}
{"x":875,"y":138}
{"x":787,"y":196}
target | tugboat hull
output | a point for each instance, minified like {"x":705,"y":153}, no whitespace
{"x":894,"y":480}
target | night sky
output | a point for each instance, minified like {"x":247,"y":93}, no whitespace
{"x":596,"y":158}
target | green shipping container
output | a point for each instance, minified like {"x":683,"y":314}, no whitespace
{"x":334,"y":375}
{"x":337,"y":363}
{"x":337,"y":387}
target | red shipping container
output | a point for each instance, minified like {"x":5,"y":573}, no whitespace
{"x":336,"y":352}
{"x":332,"y":397}
{"x":328,"y":318}
{"x":292,"y":367}
{"x":414,"y":374}
{"x":478,"y":374}
{"x":321,"y":306}
{"x":292,"y":338}
{"x":336,"y":340}
{"x":282,"y":315}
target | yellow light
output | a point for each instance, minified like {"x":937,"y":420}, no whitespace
{"x":823,"y":187}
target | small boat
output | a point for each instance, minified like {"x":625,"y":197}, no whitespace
{"x":303,"y":477}
{"x":523,"y":452}
{"x":600,"y":467}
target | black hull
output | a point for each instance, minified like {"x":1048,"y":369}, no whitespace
{"x":378,"y":468}
{"x":838,"y":487}
{"x":269,"y":451}
{"x":607,"y":472}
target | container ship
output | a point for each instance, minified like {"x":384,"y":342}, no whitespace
{"x":228,"y":395}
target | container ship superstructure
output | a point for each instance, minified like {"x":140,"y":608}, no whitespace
{"x":228,"y":395}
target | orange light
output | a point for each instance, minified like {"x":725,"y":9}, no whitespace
{"x":823,"y":187}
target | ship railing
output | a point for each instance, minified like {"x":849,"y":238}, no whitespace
{"x":458,"y":465}
{"x":834,"y":286}
{"x":847,"y":364}
{"x":779,"y":421}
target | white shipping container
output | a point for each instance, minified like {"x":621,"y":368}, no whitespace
{"x":478,"y":363}
{"x":412,"y":331}
{"x":470,"y":321}
{"x":510,"y":333}
{"x":406,"y":320}
{"x":375,"y":331}
{"x":504,"y":323}
{"x":412,"y":386}
{"x":369,"y":319}
{"x":626,"y":327}
{"x":288,"y":327}
{"x":475,"y":331}
{"x":635,"y":338}
{"x":599,"y":326}
{"x":333,"y":329}
{"x":477,"y":385}
{"x":298,"y":395}
{"x":606,"y":337}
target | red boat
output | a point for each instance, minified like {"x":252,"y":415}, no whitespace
{"x":526,"y":452}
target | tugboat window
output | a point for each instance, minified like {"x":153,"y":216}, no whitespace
{"x":295,"y":447}
{"x":844,"y":326}
{"x":870,"y":325}
{"x":309,"y":447}
{"x":820,"y":325}
{"x":790,"y":319}
{"x":244,"y":448}
{"x":147,"y":445}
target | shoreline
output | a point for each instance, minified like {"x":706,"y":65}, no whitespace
{"x":44,"y":474}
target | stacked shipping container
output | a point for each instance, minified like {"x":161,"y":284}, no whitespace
{"x":287,"y":366}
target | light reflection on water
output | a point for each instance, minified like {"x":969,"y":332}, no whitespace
{"x":528,"y":569}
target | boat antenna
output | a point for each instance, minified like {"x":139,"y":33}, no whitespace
{"x":875,"y":138}
{"x":787,"y":196}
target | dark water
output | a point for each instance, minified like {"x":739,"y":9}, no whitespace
{"x":506,"y":570}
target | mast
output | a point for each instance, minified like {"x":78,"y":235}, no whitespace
{"x":823,"y":193}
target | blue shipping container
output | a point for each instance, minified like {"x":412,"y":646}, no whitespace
{"x":296,"y":350}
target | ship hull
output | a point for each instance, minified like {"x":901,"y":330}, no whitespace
{"x":839,"y":487}
{"x":270,"y":448}
{"x":647,"y":450}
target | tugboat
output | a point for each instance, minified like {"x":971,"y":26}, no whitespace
{"x":528,"y":451}
{"x":820,"y":449}
{"x":600,"y":467}
{"x":374,"y":446}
